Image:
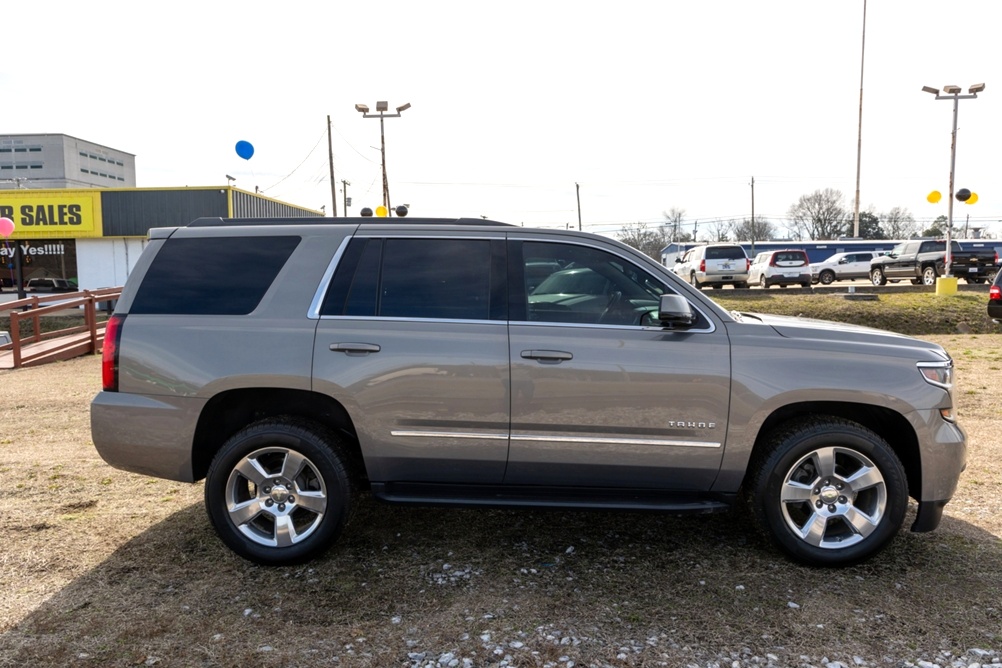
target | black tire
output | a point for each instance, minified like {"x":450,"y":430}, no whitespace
{"x":805,"y":285}
{"x":916,"y":281}
{"x":826,"y":277}
{"x":764,"y":284}
{"x":259,"y":509}
{"x":877,"y":276}
{"x":827,"y":491}
{"x":929,"y":275}
{"x":743,"y":285}
{"x":718,"y":286}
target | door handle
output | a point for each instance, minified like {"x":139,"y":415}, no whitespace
{"x":547,"y":356}
{"x":355,"y":348}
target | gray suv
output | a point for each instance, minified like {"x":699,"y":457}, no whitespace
{"x":293,"y":364}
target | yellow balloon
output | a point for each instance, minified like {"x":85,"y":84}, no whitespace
{"x":973,"y":199}
{"x":381,"y":211}
{"x":934,"y":197}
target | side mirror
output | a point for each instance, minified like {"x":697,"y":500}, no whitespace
{"x":844,"y":260}
{"x":678,"y":259}
{"x":674,"y":312}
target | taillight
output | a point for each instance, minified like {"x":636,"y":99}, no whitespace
{"x":747,"y":264}
{"x":702,"y":266}
{"x":109,"y":353}
{"x":995,"y":293}
{"x":772,"y":261}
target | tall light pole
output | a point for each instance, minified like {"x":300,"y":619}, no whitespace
{"x":381,"y":108}
{"x":952,"y":93}
{"x":859,"y":136}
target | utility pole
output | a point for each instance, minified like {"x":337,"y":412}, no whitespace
{"x":859,"y":139}
{"x":330,"y":160}
{"x":753,"y":216}
{"x":344,"y":193}
{"x":577,"y":187}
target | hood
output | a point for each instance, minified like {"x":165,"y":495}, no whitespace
{"x":795,"y":327}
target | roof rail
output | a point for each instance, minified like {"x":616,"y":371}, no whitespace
{"x":219,"y":222}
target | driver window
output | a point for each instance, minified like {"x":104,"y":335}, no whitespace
{"x":585,"y":285}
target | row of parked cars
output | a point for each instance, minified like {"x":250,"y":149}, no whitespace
{"x":717,"y":265}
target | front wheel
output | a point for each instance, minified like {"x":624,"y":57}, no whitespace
{"x":877,"y":276}
{"x":929,"y":276}
{"x":828,"y":492}
{"x":279,"y":491}
{"x":826,"y":277}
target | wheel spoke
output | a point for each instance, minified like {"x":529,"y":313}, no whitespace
{"x":825,"y":458}
{"x":293,"y":465}
{"x":243,"y":513}
{"x":252,"y":470}
{"x":285,"y":531}
{"x":315,"y":502}
{"x":861,"y":523}
{"x":813,"y":530}
{"x":794,"y":492}
{"x":865,"y":478}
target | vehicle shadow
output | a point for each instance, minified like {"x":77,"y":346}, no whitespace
{"x":409,"y":584}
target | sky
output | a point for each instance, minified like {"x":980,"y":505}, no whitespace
{"x":518,"y":109}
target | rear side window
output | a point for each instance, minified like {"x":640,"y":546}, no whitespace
{"x":212,"y":276}
{"x":725,"y":253}
{"x":456,"y":279}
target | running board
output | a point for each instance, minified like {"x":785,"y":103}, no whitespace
{"x":506,"y":496}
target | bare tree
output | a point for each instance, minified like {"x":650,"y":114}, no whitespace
{"x":673,"y":221}
{"x":762,"y":230}
{"x":646,"y":239}
{"x":718,"y":230}
{"x":820,"y":215}
{"x":898,"y":223}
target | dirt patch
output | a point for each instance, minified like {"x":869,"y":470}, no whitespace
{"x":102,"y":567}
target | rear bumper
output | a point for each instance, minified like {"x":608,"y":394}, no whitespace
{"x":148,"y":435}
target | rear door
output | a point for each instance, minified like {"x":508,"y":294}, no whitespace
{"x":413,"y":341}
{"x":857,"y":265}
{"x":600,"y":400}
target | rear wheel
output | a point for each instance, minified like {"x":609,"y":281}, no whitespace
{"x":929,"y":275}
{"x":694,"y":282}
{"x":877,"y":276}
{"x":827,"y":491}
{"x":279,"y":491}
{"x":762,"y":282}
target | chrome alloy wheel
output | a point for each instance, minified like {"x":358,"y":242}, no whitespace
{"x":833,"y":497}
{"x":276,"y":497}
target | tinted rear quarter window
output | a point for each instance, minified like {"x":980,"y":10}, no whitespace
{"x":212,"y":276}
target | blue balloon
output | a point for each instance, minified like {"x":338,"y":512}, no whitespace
{"x":245,"y":149}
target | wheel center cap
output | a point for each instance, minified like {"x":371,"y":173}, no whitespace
{"x":829,"y":495}
{"x":279,"y":493}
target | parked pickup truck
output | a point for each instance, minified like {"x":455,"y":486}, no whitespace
{"x":922,"y":260}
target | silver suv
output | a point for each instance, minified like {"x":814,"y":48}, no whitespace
{"x":294,"y":364}
{"x":715,"y":265}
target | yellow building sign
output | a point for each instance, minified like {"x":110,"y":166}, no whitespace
{"x":50,"y":214}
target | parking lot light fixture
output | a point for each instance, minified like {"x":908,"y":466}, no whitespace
{"x":382,"y":107}
{"x":952,"y":93}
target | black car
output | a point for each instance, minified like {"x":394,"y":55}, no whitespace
{"x":995,"y":298}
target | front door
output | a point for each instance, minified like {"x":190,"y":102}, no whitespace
{"x":600,"y":399}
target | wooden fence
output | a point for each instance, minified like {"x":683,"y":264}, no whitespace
{"x":40,"y":347}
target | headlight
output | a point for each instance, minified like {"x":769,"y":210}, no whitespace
{"x":939,"y":374}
